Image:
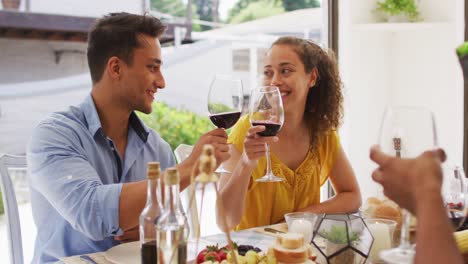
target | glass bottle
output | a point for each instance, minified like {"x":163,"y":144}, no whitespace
{"x":149,"y":215}
{"x":172,"y":228}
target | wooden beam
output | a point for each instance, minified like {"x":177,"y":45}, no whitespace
{"x":42,"y":35}
{"x":29,"y":25}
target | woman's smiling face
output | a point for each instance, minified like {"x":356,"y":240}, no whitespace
{"x":284,"y":68}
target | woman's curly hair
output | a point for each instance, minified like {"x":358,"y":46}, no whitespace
{"x":324,"y":105}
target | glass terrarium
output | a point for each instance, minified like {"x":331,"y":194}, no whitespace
{"x":342,"y":238}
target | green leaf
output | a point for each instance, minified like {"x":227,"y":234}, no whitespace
{"x":399,"y":7}
{"x":462,"y":50}
{"x":219,"y":108}
{"x":176,"y":126}
{"x":251,"y":10}
{"x":337,"y":235}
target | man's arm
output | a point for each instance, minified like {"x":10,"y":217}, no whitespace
{"x":67,"y":180}
{"x":434,"y":235}
{"x":131,"y":203}
{"x":133,"y":195}
{"x":415,"y":184}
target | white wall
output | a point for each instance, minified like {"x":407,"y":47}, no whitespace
{"x":90,"y":8}
{"x":399,"y":64}
{"x":30,"y":60}
{"x":20,"y":115}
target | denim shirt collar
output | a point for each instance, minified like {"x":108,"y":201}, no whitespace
{"x":94,"y":123}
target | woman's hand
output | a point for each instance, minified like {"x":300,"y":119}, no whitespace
{"x":254,"y":145}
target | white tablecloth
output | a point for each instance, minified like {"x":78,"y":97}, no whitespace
{"x":245,"y":237}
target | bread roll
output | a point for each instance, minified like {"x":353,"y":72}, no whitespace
{"x":385,"y":209}
{"x":373,"y":201}
{"x":290,"y":240}
{"x":297,"y":255}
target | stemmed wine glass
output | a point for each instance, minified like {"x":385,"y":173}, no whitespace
{"x":453,"y":192}
{"x":225,"y":100}
{"x":406,"y":132}
{"x":266,"y":109}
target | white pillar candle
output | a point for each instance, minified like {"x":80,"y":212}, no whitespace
{"x":302,"y":226}
{"x":381,"y":234}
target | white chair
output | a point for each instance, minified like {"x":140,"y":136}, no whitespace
{"x":7,"y":163}
{"x":181,"y":153}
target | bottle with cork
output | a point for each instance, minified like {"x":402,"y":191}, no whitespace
{"x":172,"y":227}
{"x":150,"y":214}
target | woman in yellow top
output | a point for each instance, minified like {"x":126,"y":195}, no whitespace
{"x":306,"y":151}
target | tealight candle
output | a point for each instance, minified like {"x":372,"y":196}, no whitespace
{"x":302,"y":226}
{"x":381,"y":233}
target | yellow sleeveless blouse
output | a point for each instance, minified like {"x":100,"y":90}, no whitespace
{"x":266,"y":203}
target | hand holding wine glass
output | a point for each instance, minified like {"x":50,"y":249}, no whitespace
{"x":225,"y":101}
{"x":406,"y":132}
{"x":266,"y":109}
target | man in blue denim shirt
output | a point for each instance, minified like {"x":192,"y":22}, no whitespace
{"x":88,"y":164}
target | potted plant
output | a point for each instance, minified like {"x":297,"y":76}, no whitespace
{"x":337,"y":238}
{"x":398,"y":10}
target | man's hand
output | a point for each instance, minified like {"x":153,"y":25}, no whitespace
{"x":129,"y":235}
{"x":254,"y":145}
{"x":218,"y":139}
{"x":406,"y":180}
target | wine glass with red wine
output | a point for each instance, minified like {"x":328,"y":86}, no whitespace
{"x":453,"y":192}
{"x":225,"y":100}
{"x":266,"y":109}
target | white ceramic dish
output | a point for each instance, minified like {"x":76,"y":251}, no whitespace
{"x":129,"y":253}
{"x":125,"y":253}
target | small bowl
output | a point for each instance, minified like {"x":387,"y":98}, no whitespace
{"x":300,"y":226}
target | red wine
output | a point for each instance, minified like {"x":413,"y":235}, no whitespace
{"x":149,"y":253}
{"x":271,"y":129}
{"x":225,"y":120}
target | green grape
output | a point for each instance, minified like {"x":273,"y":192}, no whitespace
{"x":251,"y":257}
{"x":271,"y":259}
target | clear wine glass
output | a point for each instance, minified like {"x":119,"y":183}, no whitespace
{"x":266,"y":109}
{"x":225,"y":101}
{"x":406,"y":132}
{"x":453,"y":192}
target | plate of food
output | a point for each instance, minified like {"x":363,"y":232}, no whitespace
{"x":288,"y":248}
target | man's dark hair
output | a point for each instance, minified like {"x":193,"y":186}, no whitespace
{"x":116,"y":34}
